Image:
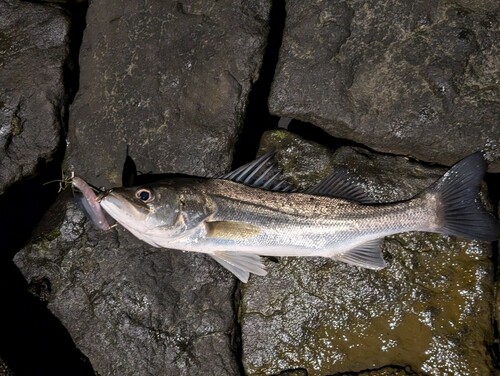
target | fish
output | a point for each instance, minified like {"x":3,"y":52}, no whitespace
{"x":253,"y":212}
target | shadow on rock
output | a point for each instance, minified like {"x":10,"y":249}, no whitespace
{"x":30,"y":329}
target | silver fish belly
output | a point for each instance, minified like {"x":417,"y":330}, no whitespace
{"x":238,"y":218}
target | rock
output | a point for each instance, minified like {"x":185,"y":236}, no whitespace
{"x":168,"y":80}
{"x":429,"y":311}
{"x":153,"y":311}
{"x":404,"y":78}
{"x":33,"y":54}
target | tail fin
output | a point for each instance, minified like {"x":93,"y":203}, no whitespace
{"x":461,"y":211}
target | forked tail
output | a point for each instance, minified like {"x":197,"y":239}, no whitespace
{"x":461,"y":212}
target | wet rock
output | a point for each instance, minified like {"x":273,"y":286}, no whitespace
{"x":429,"y":310}
{"x":157,"y":78}
{"x":415,"y":79}
{"x":152,"y":311}
{"x":33,"y":52}
{"x":168,"y":79}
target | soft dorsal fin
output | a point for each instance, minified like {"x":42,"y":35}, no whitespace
{"x":261,"y":173}
{"x":342,"y":184}
{"x":240,"y":264}
{"x":367,"y":255}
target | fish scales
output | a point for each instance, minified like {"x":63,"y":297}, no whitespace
{"x":320,"y":225}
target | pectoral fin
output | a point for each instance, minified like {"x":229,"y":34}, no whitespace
{"x":231,"y":230}
{"x":240,"y":264}
{"x":366,"y":255}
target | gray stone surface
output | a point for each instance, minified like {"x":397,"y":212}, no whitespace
{"x":430,"y":310}
{"x":170,"y":79}
{"x":410,"y":78}
{"x":130,"y":308}
{"x":33,"y":52}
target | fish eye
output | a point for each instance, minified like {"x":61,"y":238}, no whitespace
{"x":145,"y":195}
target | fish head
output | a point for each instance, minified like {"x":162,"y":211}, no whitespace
{"x":148,"y":211}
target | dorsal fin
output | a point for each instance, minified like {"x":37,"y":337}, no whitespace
{"x":263,"y":173}
{"x":342,"y":184}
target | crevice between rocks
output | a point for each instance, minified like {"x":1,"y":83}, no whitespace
{"x":386,"y":370}
{"x":493,"y":182}
{"x":257,"y":118}
{"x":33,"y":340}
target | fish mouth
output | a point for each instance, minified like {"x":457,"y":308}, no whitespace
{"x":121,"y":206}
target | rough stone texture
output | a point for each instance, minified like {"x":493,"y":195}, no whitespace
{"x":130,"y":308}
{"x":169,"y":79}
{"x":430,"y":310}
{"x":410,"y":78}
{"x":33,"y":52}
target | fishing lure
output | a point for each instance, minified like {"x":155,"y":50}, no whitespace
{"x":88,"y":200}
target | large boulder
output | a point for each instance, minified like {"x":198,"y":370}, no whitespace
{"x":429,"y":311}
{"x":411,"y":78}
{"x":130,"y":308}
{"x":33,"y":53}
{"x":169,"y":79}
{"x":169,"y":82}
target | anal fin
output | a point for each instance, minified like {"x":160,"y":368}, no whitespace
{"x":240,"y":264}
{"x":366,"y":255}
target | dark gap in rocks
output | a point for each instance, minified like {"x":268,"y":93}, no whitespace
{"x":23,"y":204}
{"x":78,"y":13}
{"x":386,"y":370}
{"x":236,"y":340}
{"x":33,"y":341}
{"x":294,"y":372}
{"x":315,"y":134}
{"x":493,"y":182}
{"x":257,"y":118}
{"x":495,"y":350}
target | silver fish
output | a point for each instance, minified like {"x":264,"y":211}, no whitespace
{"x":252,"y":212}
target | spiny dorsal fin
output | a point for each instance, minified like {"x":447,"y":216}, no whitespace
{"x":231,"y":230}
{"x":342,"y":184}
{"x":261,"y":173}
{"x":240,"y":264}
{"x":366,"y":255}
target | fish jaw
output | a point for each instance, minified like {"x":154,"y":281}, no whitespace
{"x":123,"y":209}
